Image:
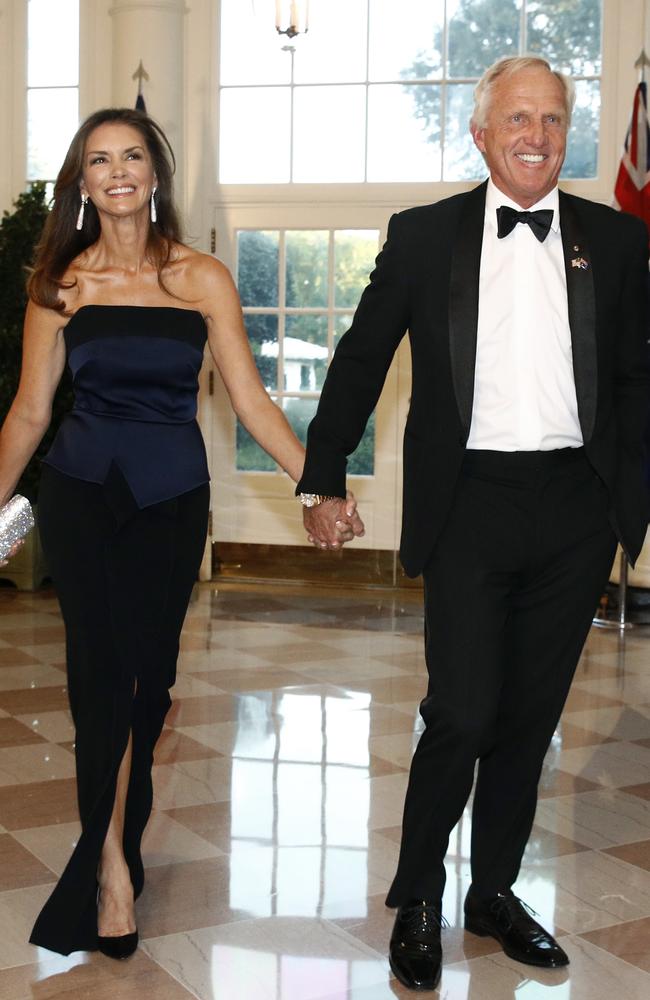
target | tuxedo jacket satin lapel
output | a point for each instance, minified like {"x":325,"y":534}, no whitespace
{"x":464,"y":305}
{"x":582,"y":314}
{"x":463,"y":301}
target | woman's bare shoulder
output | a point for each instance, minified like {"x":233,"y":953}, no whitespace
{"x":199,"y":265}
{"x":199,"y":275}
{"x":68,"y":292}
{"x":43,"y":321}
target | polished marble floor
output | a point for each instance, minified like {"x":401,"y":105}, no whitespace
{"x":279,"y":785}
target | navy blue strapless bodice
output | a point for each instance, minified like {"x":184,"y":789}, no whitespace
{"x":135,"y":375}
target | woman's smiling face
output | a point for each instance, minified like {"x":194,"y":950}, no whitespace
{"x":118,"y":174}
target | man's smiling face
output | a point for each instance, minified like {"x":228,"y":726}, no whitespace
{"x":524,"y":135}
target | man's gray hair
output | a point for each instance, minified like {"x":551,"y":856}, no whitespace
{"x":506,"y":67}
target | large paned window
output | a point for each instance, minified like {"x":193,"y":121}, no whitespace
{"x":381,"y":90}
{"x":52,"y":84}
{"x":299,"y":289}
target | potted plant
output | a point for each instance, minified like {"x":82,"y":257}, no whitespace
{"x":20,"y":231}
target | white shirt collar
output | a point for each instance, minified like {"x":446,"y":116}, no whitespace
{"x":495,"y":198}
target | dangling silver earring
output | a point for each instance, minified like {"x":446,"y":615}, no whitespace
{"x":80,"y":217}
{"x":154,"y":214}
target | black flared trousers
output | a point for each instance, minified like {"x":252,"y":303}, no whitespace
{"x":123,"y":577}
{"x":510,"y":592}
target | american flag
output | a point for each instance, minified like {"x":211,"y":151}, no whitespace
{"x":632,"y":190}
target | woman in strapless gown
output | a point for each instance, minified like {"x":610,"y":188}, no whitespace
{"x":124,"y":496}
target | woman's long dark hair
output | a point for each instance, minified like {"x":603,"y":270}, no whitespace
{"x":61,"y":242}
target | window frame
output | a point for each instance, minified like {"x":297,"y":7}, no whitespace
{"x":618,"y":77}
{"x":283,"y":312}
{"x":95,"y":90}
{"x":367,"y":84}
{"x":49,"y":181}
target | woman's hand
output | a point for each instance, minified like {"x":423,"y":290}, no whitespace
{"x":12,"y":551}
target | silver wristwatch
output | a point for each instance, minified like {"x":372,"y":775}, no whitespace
{"x":314,"y":499}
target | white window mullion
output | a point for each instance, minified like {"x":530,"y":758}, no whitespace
{"x":282,"y":309}
{"x":330,"y":298}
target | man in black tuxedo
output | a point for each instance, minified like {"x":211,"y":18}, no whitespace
{"x":523,"y":463}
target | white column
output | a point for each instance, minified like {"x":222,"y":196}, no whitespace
{"x":95,"y":56}
{"x":152,"y":31}
{"x":201,"y":118}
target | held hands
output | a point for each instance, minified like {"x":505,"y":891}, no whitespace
{"x":332,"y":523}
{"x":12,"y":551}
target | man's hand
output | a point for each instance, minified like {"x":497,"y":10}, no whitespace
{"x":332,"y":523}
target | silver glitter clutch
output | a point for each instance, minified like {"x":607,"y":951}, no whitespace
{"x":16,"y":520}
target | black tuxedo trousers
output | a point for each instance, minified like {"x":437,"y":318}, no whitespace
{"x":510,"y":591}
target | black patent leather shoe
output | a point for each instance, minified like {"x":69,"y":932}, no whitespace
{"x":509,"y":920}
{"x":415,"y":951}
{"x":118,"y":947}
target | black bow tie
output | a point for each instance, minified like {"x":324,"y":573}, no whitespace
{"x":539,"y":221}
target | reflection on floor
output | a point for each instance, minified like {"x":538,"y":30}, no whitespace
{"x":279,"y":786}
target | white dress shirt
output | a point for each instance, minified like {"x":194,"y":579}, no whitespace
{"x":524,"y":389}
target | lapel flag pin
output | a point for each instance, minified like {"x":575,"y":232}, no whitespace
{"x":580,"y":262}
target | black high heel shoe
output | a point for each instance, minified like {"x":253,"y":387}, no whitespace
{"x":120,"y":947}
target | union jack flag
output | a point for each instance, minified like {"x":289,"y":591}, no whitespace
{"x":632,"y":190}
